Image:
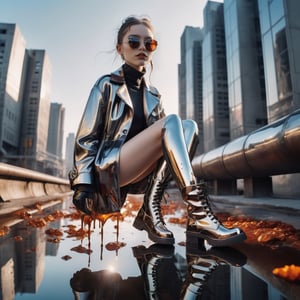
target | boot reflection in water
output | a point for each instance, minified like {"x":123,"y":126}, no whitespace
{"x":157,"y":265}
{"x":208,"y":275}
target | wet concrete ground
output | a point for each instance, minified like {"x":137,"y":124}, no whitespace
{"x":119,"y":262}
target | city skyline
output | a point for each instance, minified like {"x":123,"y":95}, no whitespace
{"x":81,"y":48}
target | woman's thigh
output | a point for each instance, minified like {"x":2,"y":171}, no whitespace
{"x":139,"y":155}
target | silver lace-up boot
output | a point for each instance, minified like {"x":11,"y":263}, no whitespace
{"x":149,"y":217}
{"x":201,"y":221}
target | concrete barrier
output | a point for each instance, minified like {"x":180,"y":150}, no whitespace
{"x":16,"y":183}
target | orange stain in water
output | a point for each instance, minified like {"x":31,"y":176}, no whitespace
{"x":289,"y":272}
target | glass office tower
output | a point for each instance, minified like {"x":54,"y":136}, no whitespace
{"x":215,"y":91}
{"x":246,"y":82}
{"x":190,"y":78}
{"x":280,"y":30}
{"x":12,"y":53}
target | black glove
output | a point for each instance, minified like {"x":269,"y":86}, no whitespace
{"x":84,"y":201}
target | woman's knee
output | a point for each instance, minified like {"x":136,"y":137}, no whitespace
{"x":190,"y":129}
{"x":190,"y":126}
{"x":172,"y":120}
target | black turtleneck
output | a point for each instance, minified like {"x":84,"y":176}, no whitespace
{"x":134,"y":82}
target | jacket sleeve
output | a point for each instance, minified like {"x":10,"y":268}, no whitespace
{"x":88,"y":137}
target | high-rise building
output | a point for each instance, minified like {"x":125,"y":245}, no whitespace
{"x":280,"y":30}
{"x":69,"y":153}
{"x":25,"y":82}
{"x":55,"y":164}
{"x":215,"y":91}
{"x":12,"y":53}
{"x":246,"y":82}
{"x":36,"y":110}
{"x":56,"y":129}
{"x":251,"y":74}
{"x":190,"y":78}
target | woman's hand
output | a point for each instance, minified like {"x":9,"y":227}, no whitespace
{"x":84,"y":201}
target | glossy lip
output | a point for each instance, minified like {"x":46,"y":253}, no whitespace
{"x":142,"y":55}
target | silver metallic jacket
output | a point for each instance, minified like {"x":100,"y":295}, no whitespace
{"x":102,"y":131}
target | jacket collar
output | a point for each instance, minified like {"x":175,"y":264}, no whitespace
{"x":151,"y":95}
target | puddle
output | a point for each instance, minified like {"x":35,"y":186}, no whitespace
{"x":52,"y":256}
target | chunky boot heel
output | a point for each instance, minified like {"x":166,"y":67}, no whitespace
{"x":231,"y":237}
{"x":157,"y":232}
{"x":236,"y":238}
{"x":138,"y":222}
{"x":193,"y":241}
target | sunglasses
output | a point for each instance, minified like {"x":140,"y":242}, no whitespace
{"x":134,"y":42}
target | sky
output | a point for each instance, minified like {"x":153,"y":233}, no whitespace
{"x":79,"y":37}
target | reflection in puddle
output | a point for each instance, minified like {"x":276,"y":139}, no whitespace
{"x":202,"y":277}
{"x":58,"y":254}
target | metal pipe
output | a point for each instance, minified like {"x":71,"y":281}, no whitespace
{"x":271,"y":150}
{"x":18,"y":173}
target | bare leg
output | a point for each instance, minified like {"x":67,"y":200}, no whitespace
{"x":139,"y":155}
{"x":146,"y":172}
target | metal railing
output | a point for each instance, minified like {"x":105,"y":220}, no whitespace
{"x":271,"y":150}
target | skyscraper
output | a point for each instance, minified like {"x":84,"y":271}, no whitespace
{"x":36,"y":110}
{"x":280,"y":29}
{"x":246,"y":81}
{"x":280,"y":33}
{"x":215,"y":91}
{"x":190,"y":78}
{"x":25,"y":83}
{"x":56,"y":129}
{"x":70,"y":141}
{"x":12,"y":53}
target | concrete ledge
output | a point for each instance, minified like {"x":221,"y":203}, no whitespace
{"x":287,"y":205}
{"x":264,"y":208}
{"x":13,"y":172}
{"x":17,"y":183}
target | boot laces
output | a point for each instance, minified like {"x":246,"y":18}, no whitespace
{"x":157,"y":197}
{"x":200,"y":271}
{"x":202,"y":192}
{"x":152,"y":274}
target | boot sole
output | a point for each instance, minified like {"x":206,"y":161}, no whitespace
{"x":196,"y":237}
{"x":163,"y":241}
{"x":167,"y":251}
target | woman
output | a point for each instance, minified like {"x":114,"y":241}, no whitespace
{"x":126,"y":144}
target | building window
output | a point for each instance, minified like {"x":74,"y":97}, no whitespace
{"x":281,"y":58}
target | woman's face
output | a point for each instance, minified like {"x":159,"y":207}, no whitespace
{"x":140,"y":56}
